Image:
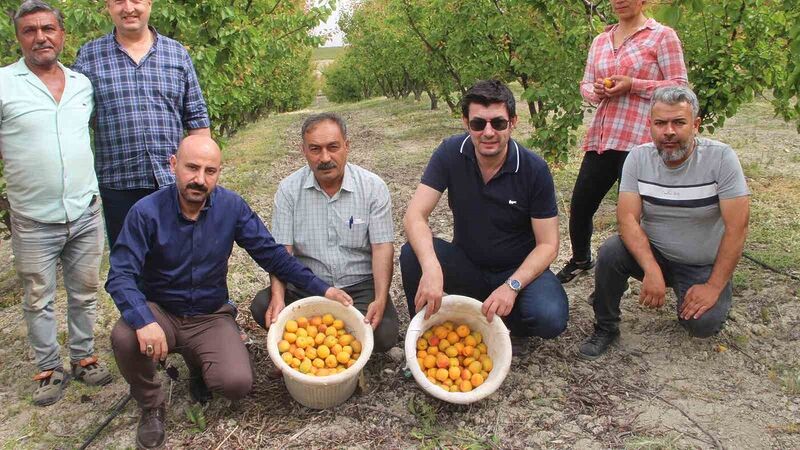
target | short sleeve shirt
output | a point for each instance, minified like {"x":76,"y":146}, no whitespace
{"x":142,"y":109}
{"x":333,"y":236}
{"x":46,"y":148}
{"x":680,"y":205}
{"x":492,"y":221}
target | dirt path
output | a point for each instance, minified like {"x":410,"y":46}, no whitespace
{"x":657,"y":389}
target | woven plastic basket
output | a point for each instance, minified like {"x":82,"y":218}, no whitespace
{"x":460,"y":309}
{"x":321,"y":392}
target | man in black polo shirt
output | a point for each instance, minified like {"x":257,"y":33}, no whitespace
{"x":505,"y":223}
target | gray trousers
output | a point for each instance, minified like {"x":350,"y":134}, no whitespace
{"x":615,"y":265}
{"x":362,"y":293}
{"x":38,"y":247}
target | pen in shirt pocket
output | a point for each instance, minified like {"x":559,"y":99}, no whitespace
{"x":350,"y":223}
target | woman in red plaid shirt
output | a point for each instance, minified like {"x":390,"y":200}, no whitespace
{"x":626,"y":63}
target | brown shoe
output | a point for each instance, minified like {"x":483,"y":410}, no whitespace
{"x":150,"y":433}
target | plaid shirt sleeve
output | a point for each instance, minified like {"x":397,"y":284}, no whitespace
{"x":589,"y":77}
{"x":195,"y":112}
{"x":282,"y":216}
{"x":670,"y":61}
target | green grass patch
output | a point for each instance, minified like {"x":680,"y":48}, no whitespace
{"x":774,"y":235}
{"x":323,"y":53}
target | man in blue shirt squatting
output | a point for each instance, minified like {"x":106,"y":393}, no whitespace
{"x":52,"y":190}
{"x":683,"y":211}
{"x":336,"y":218}
{"x":505,"y":224}
{"x":146,"y":96}
{"x":168,"y":279}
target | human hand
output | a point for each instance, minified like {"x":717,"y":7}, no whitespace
{"x":276,"y":305}
{"x":653,"y":289}
{"x":699,"y":299}
{"x":429,"y":292}
{"x":499,"y":302}
{"x":622,"y":85}
{"x":152,"y":341}
{"x":375,"y":313}
{"x":338,"y":295}
{"x":600,"y":89}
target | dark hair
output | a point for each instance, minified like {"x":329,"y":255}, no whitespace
{"x":486,"y":92}
{"x":312,"y":121}
{"x":32,"y":6}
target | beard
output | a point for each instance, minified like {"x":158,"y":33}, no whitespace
{"x":194,"y":197}
{"x":678,"y":154}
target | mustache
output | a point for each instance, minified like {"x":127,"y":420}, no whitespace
{"x":197,"y":187}
{"x":42,"y":47}
{"x":327,"y":165}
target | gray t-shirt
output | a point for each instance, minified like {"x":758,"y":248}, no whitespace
{"x":680,"y":206}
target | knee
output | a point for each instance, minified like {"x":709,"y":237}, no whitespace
{"x":704,"y":327}
{"x":123,"y":339}
{"x":235,"y":385}
{"x":609,"y":250}
{"x":259,"y":305}
{"x":548,"y":320}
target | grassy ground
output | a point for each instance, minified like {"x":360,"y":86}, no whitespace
{"x":657,"y":389}
{"x":322,"y":53}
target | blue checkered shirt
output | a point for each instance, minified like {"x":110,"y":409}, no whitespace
{"x":141,"y":110}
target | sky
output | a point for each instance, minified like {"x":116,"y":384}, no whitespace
{"x":331,"y":27}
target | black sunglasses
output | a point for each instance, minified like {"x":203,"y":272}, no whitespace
{"x":478,"y":124}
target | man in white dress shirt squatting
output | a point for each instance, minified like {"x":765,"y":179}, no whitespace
{"x":683,"y":212}
{"x":336,"y":218}
{"x":52,"y":189}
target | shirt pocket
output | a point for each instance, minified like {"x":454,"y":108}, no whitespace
{"x":355,"y":233}
{"x":640,"y":62}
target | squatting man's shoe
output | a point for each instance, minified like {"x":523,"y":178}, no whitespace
{"x":150,"y":433}
{"x":597,"y":344}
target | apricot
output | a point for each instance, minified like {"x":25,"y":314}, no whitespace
{"x":312,"y":331}
{"x":462,"y":331}
{"x":319,"y":339}
{"x":476,"y":379}
{"x":431,"y":379}
{"x":427,"y":334}
{"x":331,"y":362}
{"x":433,"y":351}
{"x":328,"y":319}
{"x":315,"y":320}
{"x":283,"y":346}
{"x":338,"y":324}
{"x":343,"y":357}
{"x":466,"y":374}
{"x":470,"y":341}
{"x":330,"y":331}
{"x":455,"y":373}
{"x":311,"y":352}
{"x":302,"y":322}
{"x":336,"y":349}
{"x":440,"y":332}
{"x":487,"y":364}
{"x":356,"y":346}
{"x":305,"y":366}
{"x":442,"y":361}
{"x":608,"y":83}
{"x":318,"y":363}
{"x":449,"y":325}
{"x":289,"y":337}
{"x":302,"y":332}
{"x":475,"y":367}
{"x":330,"y":341}
{"x":451,"y":351}
{"x":452,"y":337}
{"x":347,"y":349}
{"x":443,"y":344}
{"x":431,"y":372}
{"x":291,"y":326}
{"x":478,"y":336}
{"x":469,"y":350}
{"x":323,"y":372}
{"x":299,"y":354}
{"x":287,"y":357}
{"x":295,"y":363}
{"x":454,"y":362}
{"x":433,"y":341}
{"x":442,"y":374}
{"x":323,"y":351}
{"x":454,"y":388}
{"x":465,"y":386}
{"x":350,"y":363}
{"x":322,"y":328}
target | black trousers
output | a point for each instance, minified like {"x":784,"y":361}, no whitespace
{"x":116,"y":204}
{"x":597,"y":174}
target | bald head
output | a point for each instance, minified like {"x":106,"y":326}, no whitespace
{"x":197,"y":165}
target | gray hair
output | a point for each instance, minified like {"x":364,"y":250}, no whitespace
{"x":672,"y":95}
{"x":312,"y":121}
{"x":32,"y":6}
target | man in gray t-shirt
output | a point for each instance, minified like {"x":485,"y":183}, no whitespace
{"x":683,"y":211}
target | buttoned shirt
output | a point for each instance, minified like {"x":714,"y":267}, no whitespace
{"x":492,"y":221}
{"x":142,"y":109}
{"x":333,"y":236}
{"x":45,"y":144}
{"x":182,"y":264}
{"x":652,"y":56}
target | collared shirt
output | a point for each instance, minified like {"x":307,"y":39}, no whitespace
{"x":652,"y":57}
{"x":45,"y":145}
{"x":492,"y":221}
{"x":182,"y":265}
{"x":333,"y":235}
{"x":142,"y":109}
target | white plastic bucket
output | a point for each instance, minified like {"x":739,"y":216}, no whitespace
{"x":466,"y":310}
{"x":321,"y":392}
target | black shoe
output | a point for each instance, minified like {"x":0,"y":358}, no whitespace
{"x":519,"y":345}
{"x":150,"y":432}
{"x":597,"y":344}
{"x":573,"y":269}
{"x":198,"y":390}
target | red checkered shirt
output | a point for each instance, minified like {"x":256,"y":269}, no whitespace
{"x":652,"y":57}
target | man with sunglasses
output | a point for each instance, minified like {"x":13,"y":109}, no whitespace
{"x":505,"y":224}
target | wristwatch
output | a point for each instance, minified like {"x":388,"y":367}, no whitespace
{"x":514,"y":284}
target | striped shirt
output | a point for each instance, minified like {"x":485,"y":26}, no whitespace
{"x":142,"y":110}
{"x":333,"y":236}
{"x":652,"y":57}
{"x":680,"y":205}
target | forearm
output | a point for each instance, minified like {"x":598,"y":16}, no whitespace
{"x":277,"y":288}
{"x":382,"y":268}
{"x":200,"y":131}
{"x":535,"y":263}
{"x":728,"y":255}
{"x":638,"y":244}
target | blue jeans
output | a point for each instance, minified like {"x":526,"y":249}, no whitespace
{"x":615,"y":265}
{"x":541,"y":308}
{"x":37,"y":249}
{"x":116,"y":204}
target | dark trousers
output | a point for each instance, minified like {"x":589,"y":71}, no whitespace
{"x":209,"y":343}
{"x":615,"y":265}
{"x":116,"y":204}
{"x":362,"y":293}
{"x":541,"y":308}
{"x":595,"y":178}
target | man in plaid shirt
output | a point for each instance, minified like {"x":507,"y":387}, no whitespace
{"x":146,"y":95}
{"x":626,"y":63}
